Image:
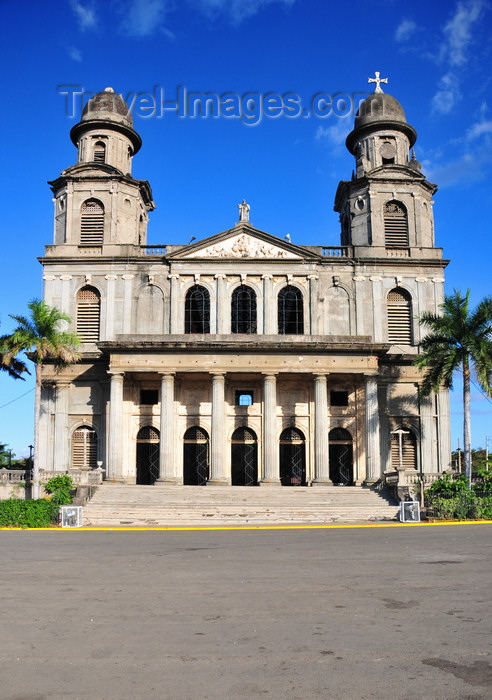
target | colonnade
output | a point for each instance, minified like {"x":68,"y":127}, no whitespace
{"x":218,"y":459}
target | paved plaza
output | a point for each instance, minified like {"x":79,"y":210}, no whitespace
{"x":292,"y":614}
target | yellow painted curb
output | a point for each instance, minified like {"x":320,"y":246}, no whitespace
{"x":244,"y":527}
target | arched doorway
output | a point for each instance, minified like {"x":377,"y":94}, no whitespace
{"x":244,"y":457}
{"x":341,"y":457}
{"x":84,"y":448}
{"x":195,"y":457}
{"x":147,"y":455}
{"x":292,"y":458}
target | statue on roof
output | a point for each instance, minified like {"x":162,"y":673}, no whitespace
{"x":243,"y":211}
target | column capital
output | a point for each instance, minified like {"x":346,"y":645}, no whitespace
{"x":65,"y":277}
{"x":267,"y":277}
{"x":173,"y":276}
{"x":220,"y":276}
{"x":115,"y":374}
{"x":128,"y":277}
{"x":110,"y":277}
{"x":218,"y":376}
{"x":270,"y":375}
{"x":313,"y":277}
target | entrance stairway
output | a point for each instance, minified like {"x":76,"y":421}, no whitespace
{"x":121,"y":505}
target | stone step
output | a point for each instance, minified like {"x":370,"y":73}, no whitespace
{"x":143,"y":506}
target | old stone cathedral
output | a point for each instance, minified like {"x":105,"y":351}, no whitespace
{"x":243,"y":359}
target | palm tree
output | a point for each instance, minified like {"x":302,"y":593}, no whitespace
{"x":460,"y":339}
{"x":14,"y":367}
{"x":43,"y":342}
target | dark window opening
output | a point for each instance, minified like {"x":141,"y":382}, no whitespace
{"x":149,"y":397}
{"x":197,"y":310}
{"x":244,"y":398}
{"x":243,"y":310}
{"x":339,"y":398}
{"x":290,"y":311}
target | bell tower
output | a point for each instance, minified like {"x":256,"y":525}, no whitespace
{"x":98,"y":203}
{"x":386,"y":208}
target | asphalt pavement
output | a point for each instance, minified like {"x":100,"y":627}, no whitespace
{"x":334,"y":613}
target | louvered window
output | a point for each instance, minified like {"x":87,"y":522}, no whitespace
{"x":243,"y":310}
{"x":197,"y":310}
{"x":399,"y":305}
{"x":91,"y":222}
{"x":408,"y":450}
{"x":88,"y":313}
{"x":395,"y":225}
{"x":84,"y":448}
{"x":290,"y":311}
{"x":100,"y":152}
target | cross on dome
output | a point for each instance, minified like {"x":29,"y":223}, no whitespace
{"x":378,"y":81}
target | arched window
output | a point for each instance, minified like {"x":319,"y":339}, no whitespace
{"x":243,"y":310}
{"x":395,"y":225}
{"x":290,"y":311}
{"x":91,"y":222}
{"x":84,"y":448}
{"x":408,"y":457}
{"x":197,"y":310}
{"x":399,"y":304}
{"x":88,"y":314}
{"x":99,"y":152}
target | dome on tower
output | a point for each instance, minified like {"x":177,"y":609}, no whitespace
{"x":379,"y":107}
{"x":380,"y":112}
{"x":107,"y":110}
{"x":108,"y":106}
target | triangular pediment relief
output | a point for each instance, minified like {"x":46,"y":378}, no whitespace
{"x":243,"y":242}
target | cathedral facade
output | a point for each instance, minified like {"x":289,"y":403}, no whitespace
{"x":243,"y":359}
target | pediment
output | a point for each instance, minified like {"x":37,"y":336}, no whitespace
{"x":243,"y":242}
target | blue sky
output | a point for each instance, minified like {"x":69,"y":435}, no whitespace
{"x":437,"y":56}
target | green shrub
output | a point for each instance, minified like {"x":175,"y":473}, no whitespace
{"x":60,"y":488}
{"x":448,"y":485}
{"x":15,"y":512}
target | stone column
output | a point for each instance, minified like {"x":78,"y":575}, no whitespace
{"x":270,"y":437}
{"x":110,"y":304}
{"x":61,"y":461}
{"x":373,"y":455}
{"x":269,"y":308}
{"x":313,"y":305}
{"x":321,"y":463}
{"x":167,"y":472}
{"x":359,"y":304}
{"x":217,"y":462}
{"x":65,"y":296}
{"x":377,"y":308}
{"x":174,"y":315}
{"x":223,"y":312}
{"x":115,"y":442}
{"x":127,"y":303}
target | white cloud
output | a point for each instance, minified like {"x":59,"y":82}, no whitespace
{"x":405,"y":29}
{"x":479,"y":129}
{"x":458,"y":31}
{"x":84,"y":13}
{"x":75,"y":54}
{"x":455,"y":52}
{"x":334,"y":135}
{"x":235,"y":10}
{"x":448,"y":94}
{"x":143,"y":17}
